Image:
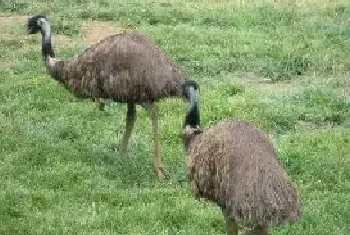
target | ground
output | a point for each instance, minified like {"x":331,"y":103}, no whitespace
{"x":283,"y":65}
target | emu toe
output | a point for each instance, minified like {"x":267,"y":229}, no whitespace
{"x":259,"y":230}
{"x":101,"y":106}
{"x":162,"y":173}
{"x":122,"y":148}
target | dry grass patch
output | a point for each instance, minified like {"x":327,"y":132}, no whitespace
{"x":299,"y":5}
{"x":267,"y":84}
{"x":6,"y":63}
{"x":95,"y":31}
{"x":280,"y":86}
{"x":9,"y":22}
{"x":61,"y":41}
{"x":341,"y":84}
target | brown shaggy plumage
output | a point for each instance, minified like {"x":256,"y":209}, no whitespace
{"x":234,"y":164}
{"x":126,"y":67}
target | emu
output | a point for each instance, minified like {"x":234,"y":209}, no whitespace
{"x":234,"y":165}
{"x":125,"y":67}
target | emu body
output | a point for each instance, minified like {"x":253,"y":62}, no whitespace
{"x":234,"y":165}
{"x":126,"y":67}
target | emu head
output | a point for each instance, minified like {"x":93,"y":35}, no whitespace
{"x":35,"y":24}
{"x":41,"y":23}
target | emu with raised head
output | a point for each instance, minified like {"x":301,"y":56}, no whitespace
{"x":125,"y":67}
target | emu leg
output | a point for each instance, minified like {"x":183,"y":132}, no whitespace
{"x":130,"y":120}
{"x":231,"y":225}
{"x":258,"y":230}
{"x":99,"y":103}
{"x":144,"y":105}
{"x":158,"y":164}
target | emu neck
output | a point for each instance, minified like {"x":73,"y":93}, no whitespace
{"x":47,"y":49}
{"x":55,"y":68}
{"x":193,"y":116}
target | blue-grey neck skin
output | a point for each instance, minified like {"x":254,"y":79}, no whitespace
{"x":46,"y":40}
{"x":47,"y":31}
{"x":193,"y":116}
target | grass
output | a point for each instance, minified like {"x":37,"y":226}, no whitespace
{"x":282,"y":65}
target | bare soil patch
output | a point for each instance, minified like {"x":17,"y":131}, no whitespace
{"x":7,"y":23}
{"x":268,"y":84}
{"x":95,"y":31}
{"x":6,"y":36}
{"x":12,"y":20}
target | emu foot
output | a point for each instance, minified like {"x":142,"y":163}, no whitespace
{"x":99,"y":103}
{"x":122,"y":148}
{"x":259,"y":230}
{"x":101,"y":106}
{"x":162,"y":173}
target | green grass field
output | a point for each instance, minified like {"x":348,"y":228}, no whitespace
{"x":283,"y":65}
